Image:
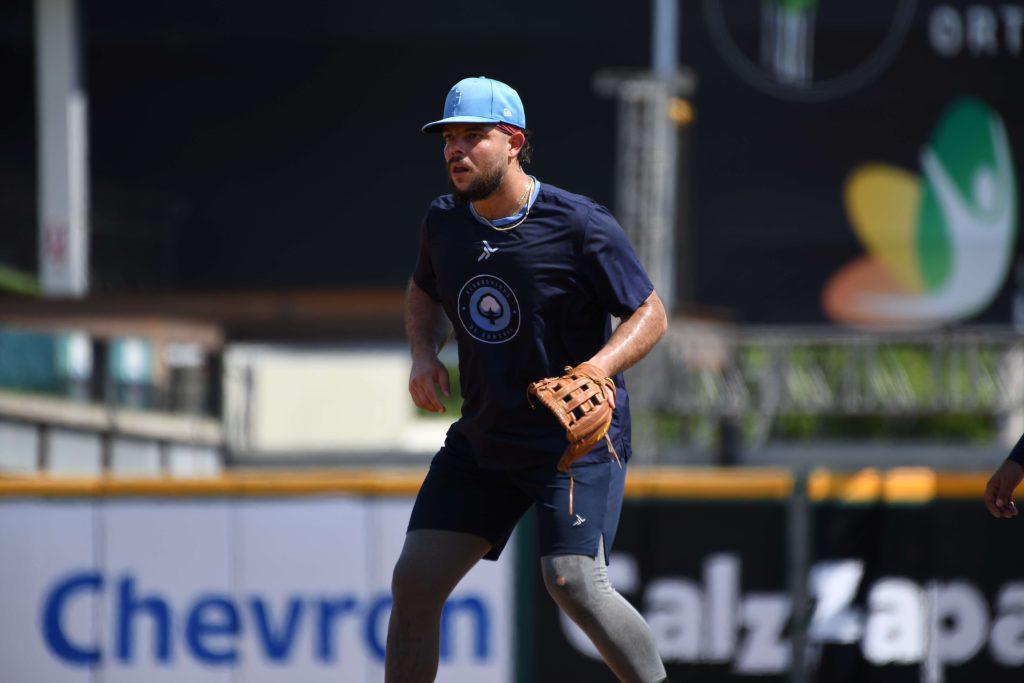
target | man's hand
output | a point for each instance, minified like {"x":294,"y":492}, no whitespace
{"x":999,"y":492}
{"x":426,"y":371}
{"x":609,"y":394}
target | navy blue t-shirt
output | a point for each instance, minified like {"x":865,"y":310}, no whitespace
{"x":525,"y":303}
{"x":1017,"y":454}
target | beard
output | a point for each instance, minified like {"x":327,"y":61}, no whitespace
{"x":481,"y":188}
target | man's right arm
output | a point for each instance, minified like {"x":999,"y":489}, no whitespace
{"x":426,"y":328}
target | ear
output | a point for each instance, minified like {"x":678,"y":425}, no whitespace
{"x":515,"y":143}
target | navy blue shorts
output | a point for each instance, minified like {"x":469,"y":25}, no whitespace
{"x":459,"y":495}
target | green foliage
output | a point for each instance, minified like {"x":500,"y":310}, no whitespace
{"x":12,"y":280}
{"x":798,"y":5}
{"x":945,"y":427}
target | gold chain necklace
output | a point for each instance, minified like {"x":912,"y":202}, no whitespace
{"x":523,"y":201}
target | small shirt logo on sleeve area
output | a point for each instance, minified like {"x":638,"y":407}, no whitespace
{"x":488,"y":309}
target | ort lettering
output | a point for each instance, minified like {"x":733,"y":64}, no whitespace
{"x":976,"y":30}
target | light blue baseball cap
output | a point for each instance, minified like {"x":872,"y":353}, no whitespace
{"x":480,"y":100}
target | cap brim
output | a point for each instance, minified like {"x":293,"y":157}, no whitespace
{"x":436,"y":126}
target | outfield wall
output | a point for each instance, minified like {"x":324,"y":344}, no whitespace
{"x":905,"y":575}
{"x":285,"y":577}
{"x":204,"y":582}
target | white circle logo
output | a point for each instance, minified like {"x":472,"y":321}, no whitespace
{"x":488,"y":309}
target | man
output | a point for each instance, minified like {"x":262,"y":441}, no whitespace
{"x":999,"y":492}
{"x":527,"y":274}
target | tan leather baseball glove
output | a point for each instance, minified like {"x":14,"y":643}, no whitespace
{"x":577,"y":399}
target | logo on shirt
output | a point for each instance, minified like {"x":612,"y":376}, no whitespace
{"x":488,"y":309}
{"x":488,"y":250}
{"x":580,"y":521}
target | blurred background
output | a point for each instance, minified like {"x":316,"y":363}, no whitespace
{"x":208,"y":213}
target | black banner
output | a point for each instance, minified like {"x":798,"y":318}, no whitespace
{"x":917,"y":593}
{"x":927,"y":593}
{"x":856,"y":163}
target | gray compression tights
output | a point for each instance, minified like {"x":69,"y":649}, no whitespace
{"x":579,"y":584}
{"x":433,"y":562}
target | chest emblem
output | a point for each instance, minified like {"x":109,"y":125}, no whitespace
{"x":488,"y":250}
{"x":488,"y":309}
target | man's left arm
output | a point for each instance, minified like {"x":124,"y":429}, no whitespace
{"x":635,"y":336}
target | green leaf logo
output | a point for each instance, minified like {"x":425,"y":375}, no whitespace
{"x":938,"y":245}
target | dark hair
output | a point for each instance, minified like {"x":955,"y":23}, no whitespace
{"x":526,"y":151}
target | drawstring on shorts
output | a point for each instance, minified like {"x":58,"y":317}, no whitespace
{"x":572,"y":482}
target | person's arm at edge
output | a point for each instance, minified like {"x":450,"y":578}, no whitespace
{"x":635,"y":336}
{"x":1003,"y":482}
{"x":426,"y":329}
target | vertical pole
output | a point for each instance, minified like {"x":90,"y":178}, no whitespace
{"x":213,"y":383}
{"x":1011,"y":417}
{"x":664,"y":140}
{"x":62,"y":153}
{"x":797,"y":568}
{"x":730,"y":441}
{"x":100,"y":390}
{"x":42,"y":446}
{"x":526,"y":579}
{"x":665,"y":43}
